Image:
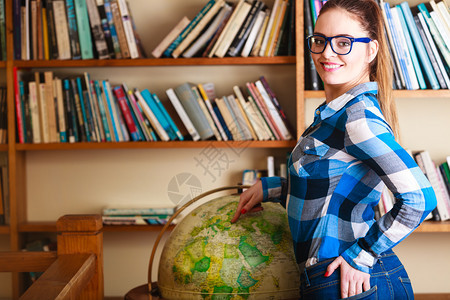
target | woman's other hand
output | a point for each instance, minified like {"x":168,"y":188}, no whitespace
{"x":353,"y":281}
{"x":250,"y":201}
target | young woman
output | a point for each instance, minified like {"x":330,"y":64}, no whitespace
{"x":343,"y":161}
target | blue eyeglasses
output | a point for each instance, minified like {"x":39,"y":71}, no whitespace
{"x":341,"y":45}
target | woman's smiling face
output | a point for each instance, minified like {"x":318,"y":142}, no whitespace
{"x":343,"y":72}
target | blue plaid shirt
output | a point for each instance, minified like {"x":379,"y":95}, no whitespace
{"x":337,"y":172}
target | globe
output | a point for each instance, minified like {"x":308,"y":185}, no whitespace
{"x":208,"y":257}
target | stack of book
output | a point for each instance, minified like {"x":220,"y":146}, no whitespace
{"x":244,"y":28}
{"x":74,"y":29}
{"x":3,"y":117}
{"x":418,"y":39}
{"x":136,"y":215}
{"x":50,"y":109}
{"x":439,"y":177}
{"x":4,"y":189}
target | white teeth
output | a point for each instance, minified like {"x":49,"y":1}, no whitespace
{"x":331,"y":66}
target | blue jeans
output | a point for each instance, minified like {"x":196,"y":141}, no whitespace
{"x":388,"y":280}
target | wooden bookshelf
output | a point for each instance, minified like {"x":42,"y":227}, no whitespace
{"x":147,"y":62}
{"x":434,"y":227}
{"x":155,"y":145}
{"x":4,"y":229}
{"x":4,"y":147}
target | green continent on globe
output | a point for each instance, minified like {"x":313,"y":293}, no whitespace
{"x":208,"y":257}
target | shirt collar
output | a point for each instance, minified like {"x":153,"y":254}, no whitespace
{"x":325,"y":110}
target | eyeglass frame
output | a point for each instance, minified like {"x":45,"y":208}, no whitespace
{"x":365,"y":40}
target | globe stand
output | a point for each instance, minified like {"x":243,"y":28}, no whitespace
{"x":150,"y":290}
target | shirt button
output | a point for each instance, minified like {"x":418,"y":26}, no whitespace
{"x":317,"y":112}
{"x":307,"y":147}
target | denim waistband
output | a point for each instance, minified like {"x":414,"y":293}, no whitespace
{"x":321,"y":267}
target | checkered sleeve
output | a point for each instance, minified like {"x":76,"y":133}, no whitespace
{"x":274,"y":189}
{"x":369,"y":139}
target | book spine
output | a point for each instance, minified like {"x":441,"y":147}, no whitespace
{"x":128,"y":29}
{"x":73,"y":30}
{"x":106,"y":30}
{"x":53,"y":47}
{"x":112,"y":109}
{"x":174,"y":129}
{"x":80,"y":107}
{"x":84,"y":30}
{"x":112,"y":28}
{"x":19,"y":119}
{"x":62,"y":31}
{"x":102,"y":109}
{"x":50,"y":103}
{"x":419,"y":45}
{"x":17,"y":13}
{"x":120,"y":30}
{"x":229,"y":136}
{"x":71,"y":114}
{"x":97,"y":30}
{"x":140,"y":117}
{"x":122,"y":101}
{"x":34,"y":107}
{"x":255,"y":29}
{"x":188,"y":29}
{"x":182,"y":114}
{"x":62,"y":122}
{"x":241,"y":37}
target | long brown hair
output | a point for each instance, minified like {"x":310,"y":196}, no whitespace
{"x":369,"y":14}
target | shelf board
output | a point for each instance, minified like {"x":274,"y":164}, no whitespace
{"x":434,"y":227}
{"x":397,"y":94}
{"x":4,"y":147}
{"x":4,"y":229}
{"x":155,"y":145}
{"x":49,"y":226}
{"x":146,"y":62}
{"x":2,"y":64}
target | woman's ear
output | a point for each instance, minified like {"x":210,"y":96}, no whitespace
{"x":373,"y":50}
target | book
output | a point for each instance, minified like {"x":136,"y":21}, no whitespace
{"x":232,"y":28}
{"x":419,"y":46}
{"x":128,"y":29}
{"x":185,"y":32}
{"x":202,"y":41}
{"x":260,"y":37}
{"x":51,"y":108}
{"x":206,"y":113}
{"x":153,"y":120}
{"x":255,"y":29}
{"x":103,"y":110}
{"x":228,"y":118}
{"x":122,"y":101}
{"x":53,"y":46}
{"x":411,"y":78}
{"x":193,"y":110}
{"x":39,"y":32}
{"x":73,"y":30}
{"x":182,"y":114}
{"x":238,"y":118}
{"x":62,"y":30}
{"x":197,"y":29}
{"x":270,"y":26}
{"x":136,"y":220}
{"x":88,"y":93}
{"x":24,"y":19}
{"x":441,"y":44}
{"x":117,"y":18}
{"x":19,"y":115}
{"x":84,"y":30}
{"x":431,"y":50}
{"x":135,"y":113}
{"x":83,"y":113}
{"x":97,"y":30}
{"x":205,"y":97}
{"x":72,"y":134}
{"x":249,"y":116}
{"x":106,"y":30}
{"x":136,"y":209}
{"x":430,"y":172}
{"x":242,"y":35}
{"x":163,"y":127}
{"x":170,"y":37}
{"x":62,"y":122}
{"x":112,"y":29}
{"x":273,"y":39}
{"x":113,"y":112}
{"x":141,"y":121}
{"x":173,"y":126}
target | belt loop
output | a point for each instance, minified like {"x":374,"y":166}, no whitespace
{"x":305,"y":274}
